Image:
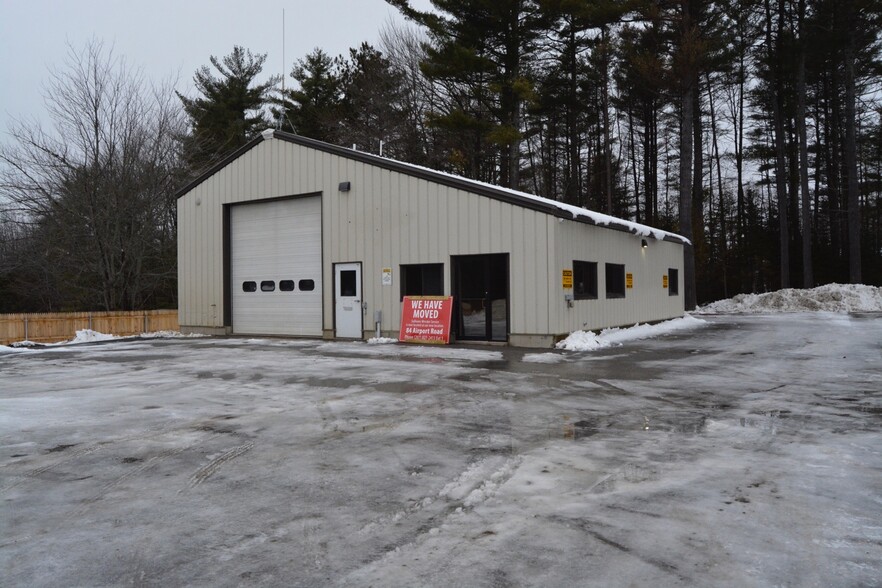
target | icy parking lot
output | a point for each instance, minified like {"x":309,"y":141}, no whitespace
{"x":744,"y":451}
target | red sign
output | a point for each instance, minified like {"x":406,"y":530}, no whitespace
{"x":426,"y":319}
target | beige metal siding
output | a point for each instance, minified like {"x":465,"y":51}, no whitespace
{"x":646,"y":301}
{"x":413,"y":221}
{"x":388,"y":219}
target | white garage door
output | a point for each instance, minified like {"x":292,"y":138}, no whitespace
{"x":276,"y":267}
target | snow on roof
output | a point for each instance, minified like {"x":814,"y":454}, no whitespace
{"x":596,"y":218}
{"x":487,"y":189}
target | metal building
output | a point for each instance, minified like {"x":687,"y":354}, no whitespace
{"x":292,"y":236}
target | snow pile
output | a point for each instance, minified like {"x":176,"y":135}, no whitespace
{"x":90,"y":336}
{"x":169,"y":335}
{"x":827,"y":298}
{"x":381,"y":341}
{"x":542,"y":358}
{"x":17,"y":347}
{"x":589,"y":341}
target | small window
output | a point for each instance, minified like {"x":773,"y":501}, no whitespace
{"x":249,"y":286}
{"x":584,"y":280}
{"x":673,"y":282}
{"x":286,"y":285}
{"x":267,"y":286}
{"x":306,"y":285}
{"x":615,"y":280}
{"x":426,"y":279}
{"x":348,"y":285}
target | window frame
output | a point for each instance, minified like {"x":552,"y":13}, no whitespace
{"x":584,"y":266}
{"x":673,"y":281}
{"x":405,"y":268}
{"x":610,"y":293}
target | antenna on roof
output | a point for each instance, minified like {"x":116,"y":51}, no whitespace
{"x":284,"y":112}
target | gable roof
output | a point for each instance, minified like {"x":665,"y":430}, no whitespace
{"x":515,"y":197}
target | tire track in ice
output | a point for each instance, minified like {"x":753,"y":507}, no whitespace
{"x":149,"y":433}
{"x":471,"y":488}
{"x":477,"y":484}
{"x":215,"y":464}
{"x":106,"y":488}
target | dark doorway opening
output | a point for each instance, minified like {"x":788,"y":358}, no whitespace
{"x":480,"y":295}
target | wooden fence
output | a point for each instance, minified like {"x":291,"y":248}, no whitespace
{"x":61,"y":326}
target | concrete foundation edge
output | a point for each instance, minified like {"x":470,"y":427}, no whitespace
{"x":197,"y":330}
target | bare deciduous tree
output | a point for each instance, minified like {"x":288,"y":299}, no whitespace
{"x":93,"y":185}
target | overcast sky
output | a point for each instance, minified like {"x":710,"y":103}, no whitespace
{"x":171,"y":38}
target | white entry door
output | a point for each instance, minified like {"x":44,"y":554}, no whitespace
{"x":347,"y":300}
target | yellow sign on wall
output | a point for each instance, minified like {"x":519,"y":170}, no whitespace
{"x":629,"y":280}
{"x":665,"y":281}
{"x":567,"y":278}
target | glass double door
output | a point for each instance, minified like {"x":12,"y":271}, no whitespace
{"x":480,"y":294}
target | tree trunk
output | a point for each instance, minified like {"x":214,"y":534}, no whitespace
{"x":633,"y":153}
{"x":574,"y":189}
{"x":850,"y":154}
{"x":808,"y":279}
{"x":699,"y":239}
{"x":780,"y":159}
{"x":722,"y":205}
{"x":687,"y":106}
{"x":607,"y":155}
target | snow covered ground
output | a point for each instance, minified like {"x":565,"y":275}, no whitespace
{"x":745,"y":451}
{"x":835,"y":298}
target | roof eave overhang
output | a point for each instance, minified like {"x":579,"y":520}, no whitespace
{"x":421,"y":173}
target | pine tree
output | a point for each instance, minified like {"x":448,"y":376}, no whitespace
{"x":314,"y":107}
{"x":479,"y":51}
{"x":228,"y":112}
{"x":373,"y":106}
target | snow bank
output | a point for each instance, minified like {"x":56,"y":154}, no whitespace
{"x":90,"y":336}
{"x":169,"y":335}
{"x":17,"y":348}
{"x":589,"y":341}
{"x":381,"y":341}
{"x":543,"y":358}
{"x":827,"y":298}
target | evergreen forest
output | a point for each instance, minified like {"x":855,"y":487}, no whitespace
{"x":752,"y":127}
